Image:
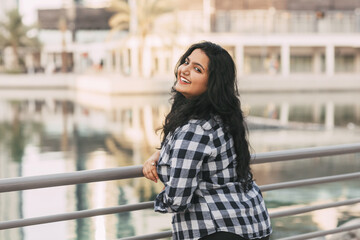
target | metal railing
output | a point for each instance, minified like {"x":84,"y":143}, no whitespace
{"x":87,"y":176}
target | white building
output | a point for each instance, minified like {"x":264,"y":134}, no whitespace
{"x":273,"y":38}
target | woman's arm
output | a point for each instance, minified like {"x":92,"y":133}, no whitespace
{"x":186,"y":154}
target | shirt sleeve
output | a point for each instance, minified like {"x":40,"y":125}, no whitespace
{"x":186,"y":153}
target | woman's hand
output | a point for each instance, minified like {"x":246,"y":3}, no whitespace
{"x":149,"y":167}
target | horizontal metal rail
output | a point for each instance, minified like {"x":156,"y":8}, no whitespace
{"x":74,"y":215}
{"x":323,"y":233}
{"x":62,"y":179}
{"x":87,"y":176}
{"x":148,"y":205}
{"x":310,"y":181}
{"x":301,"y":153}
{"x":307,"y":209}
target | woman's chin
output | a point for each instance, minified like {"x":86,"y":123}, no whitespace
{"x":178,"y":88}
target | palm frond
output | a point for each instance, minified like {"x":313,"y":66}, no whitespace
{"x":160,"y":7}
{"x":15,"y":34}
{"x":119,"y":6}
{"x":119,"y":19}
{"x":147,"y":12}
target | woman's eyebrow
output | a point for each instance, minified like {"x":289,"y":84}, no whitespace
{"x":196,"y":63}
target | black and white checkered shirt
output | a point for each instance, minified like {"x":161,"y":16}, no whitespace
{"x":197,"y":166}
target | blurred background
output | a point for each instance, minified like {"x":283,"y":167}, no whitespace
{"x":84,"y":84}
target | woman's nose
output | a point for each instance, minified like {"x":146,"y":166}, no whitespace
{"x":185,"y":70}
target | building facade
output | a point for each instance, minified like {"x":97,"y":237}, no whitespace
{"x":281,"y":38}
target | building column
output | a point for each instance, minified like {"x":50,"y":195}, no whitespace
{"x":161,"y":63}
{"x":207,"y":6}
{"x":284,"y":113}
{"x":357,"y":112}
{"x":109,"y":61}
{"x":285,"y":60}
{"x":146,"y":61}
{"x":133,"y":16}
{"x":239,"y":58}
{"x":330,"y":60}
{"x":357,"y":60}
{"x":176,"y":53}
{"x":316,"y":112}
{"x":317,"y":61}
{"x":134,"y":55}
{"x":330,"y":116}
{"x":43,"y":59}
{"x":118,"y":60}
{"x":58,"y":60}
{"x":77,"y":62}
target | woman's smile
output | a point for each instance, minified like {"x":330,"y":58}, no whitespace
{"x":184,"y":80}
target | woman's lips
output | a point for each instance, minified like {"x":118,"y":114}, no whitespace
{"x":184,"y":81}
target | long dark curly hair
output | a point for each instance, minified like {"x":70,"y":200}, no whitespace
{"x":221,"y":98}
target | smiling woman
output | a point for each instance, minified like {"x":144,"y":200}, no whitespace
{"x":192,"y":75}
{"x":204,"y":158}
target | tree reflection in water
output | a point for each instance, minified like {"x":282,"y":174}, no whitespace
{"x":82,"y":224}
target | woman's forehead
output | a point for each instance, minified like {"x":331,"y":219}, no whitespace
{"x":199,"y":56}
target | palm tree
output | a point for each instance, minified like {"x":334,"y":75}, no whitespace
{"x":138,"y":17}
{"x":14,"y":34}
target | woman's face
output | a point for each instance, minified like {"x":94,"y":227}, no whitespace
{"x":192,"y":75}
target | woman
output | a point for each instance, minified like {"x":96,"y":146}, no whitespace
{"x":204,"y":161}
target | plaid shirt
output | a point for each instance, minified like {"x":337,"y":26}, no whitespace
{"x":197,"y":166}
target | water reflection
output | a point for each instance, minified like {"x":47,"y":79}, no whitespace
{"x":81,"y":190}
{"x":78,"y":131}
{"x":125,"y":226}
{"x":12,"y":135}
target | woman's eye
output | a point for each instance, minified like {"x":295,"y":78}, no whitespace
{"x":197,"y":69}
{"x":186,"y":62}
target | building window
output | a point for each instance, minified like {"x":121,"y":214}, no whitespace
{"x":301,"y":64}
{"x":345,"y":63}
